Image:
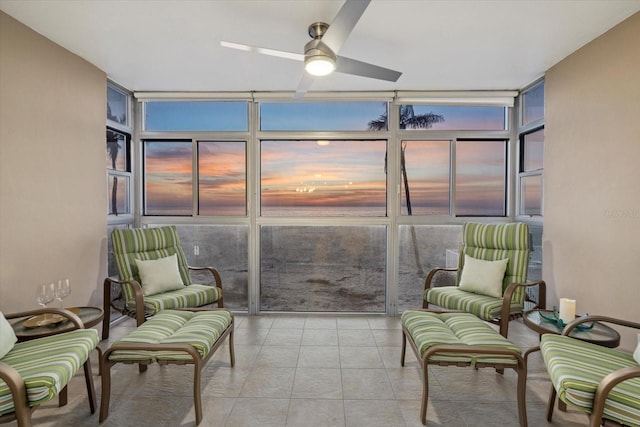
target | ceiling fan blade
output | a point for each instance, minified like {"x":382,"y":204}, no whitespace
{"x":343,"y":23}
{"x":304,"y":85}
{"x":364,"y":69}
{"x":263,"y":50}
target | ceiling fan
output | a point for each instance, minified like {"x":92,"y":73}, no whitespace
{"x":320,"y":56}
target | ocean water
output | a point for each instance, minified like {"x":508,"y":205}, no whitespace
{"x":323,"y":211}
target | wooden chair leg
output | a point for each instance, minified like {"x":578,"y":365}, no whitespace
{"x":404,"y":348}
{"x":91,"y":392}
{"x":522,"y":395}
{"x":551,"y":403}
{"x":106,"y":389}
{"x":63,"y":397}
{"x":106,"y":309}
{"x":232,"y":355}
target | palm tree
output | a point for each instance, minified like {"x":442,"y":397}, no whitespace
{"x":113,"y":147}
{"x":408,"y":120}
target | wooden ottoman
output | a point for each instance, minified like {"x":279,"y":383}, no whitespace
{"x":179,"y":337}
{"x":449,"y":338}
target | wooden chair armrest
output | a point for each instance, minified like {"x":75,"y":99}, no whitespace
{"x":65,"y":313}
{"x":432,"y":273}
{"x":508,"y":294}
{"x":211,"y":270}
{"x":542,"y":292}
{"x":609,"y":382}
{"x":16,"y":385}
{"x":429,"y":279}
{"x":598,"y":318}
{"x":139,"y":302}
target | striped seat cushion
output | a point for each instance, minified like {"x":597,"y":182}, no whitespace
{"x":200,"y":329}
{"x":47,"y":365}
{"x":576,"y":368}
{"x":454,"y":298}
{"x":190,"y":296}
{"x":460,"y":329}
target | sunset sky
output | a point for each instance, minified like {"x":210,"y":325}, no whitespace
{"x":323,"y":173}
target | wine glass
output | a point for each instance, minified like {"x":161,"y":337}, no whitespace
{"x":45,"y":294}
{"x":62,"y":290}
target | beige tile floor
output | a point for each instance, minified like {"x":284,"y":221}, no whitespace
{"x":313,"y":370}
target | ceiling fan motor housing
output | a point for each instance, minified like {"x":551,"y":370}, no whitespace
{"x":319,"y":60}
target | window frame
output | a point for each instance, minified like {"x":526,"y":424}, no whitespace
{"x":393,"y":220}
{"x":127,"y":129}
{"x":143,"y":180}
{"x":523,"y":130}
{"x":128,"y":125}
{"x":144,"y":106}
{"x":454,"y":187}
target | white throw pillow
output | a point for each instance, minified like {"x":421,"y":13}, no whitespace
{"x":636,"y":354}
{"x":483,"y":277}
{"x":7,"y":336}
{"x":159,"y":275}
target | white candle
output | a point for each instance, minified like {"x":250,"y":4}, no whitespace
{"x":567,"y":310}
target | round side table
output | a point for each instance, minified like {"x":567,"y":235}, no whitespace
{"x":600,"y":334}
{"x":90,"y":316}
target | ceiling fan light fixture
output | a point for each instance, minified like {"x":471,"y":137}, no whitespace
{"x":319,"y":65}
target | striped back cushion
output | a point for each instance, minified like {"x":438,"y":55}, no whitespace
{"x":492,"y":242}
{"x":146,"y":243}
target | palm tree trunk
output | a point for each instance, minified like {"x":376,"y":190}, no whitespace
{"x":114,"y":196}
{"x":414,"y":237}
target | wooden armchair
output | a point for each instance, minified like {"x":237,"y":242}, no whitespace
{"x":485,"y":247}
{"x":33,"y":372}
{"x":136,"y":296}
{"x":600,"y":381}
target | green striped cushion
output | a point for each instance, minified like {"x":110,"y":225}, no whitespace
{"x":461,"y":329}
{"x":47,"y":364}
{"x":493,"y":242}
{"x":576,"y":368}
{"x":201,"y":329}
{"x":483,"y":306}
{"x":130,"y":244}
{"x":191,"y":296}
{"x":155,"y":243}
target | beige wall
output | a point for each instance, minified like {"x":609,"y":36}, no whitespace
{"x":591,"y":236}
{"x":52,"y":169}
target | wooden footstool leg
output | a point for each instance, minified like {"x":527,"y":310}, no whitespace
{"x":197,"y":399}
{"x":425,"y":391}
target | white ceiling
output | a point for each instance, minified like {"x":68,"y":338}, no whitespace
{"x":166,"y":45}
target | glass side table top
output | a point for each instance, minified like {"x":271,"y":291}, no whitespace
{"x":600,"y":334}
{"x":90,"y":316}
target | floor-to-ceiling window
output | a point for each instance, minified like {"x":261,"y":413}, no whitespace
{"x":120,"y":170}
{"x":530,"y":172}
{"x":326,"y":204}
